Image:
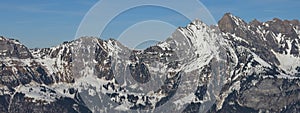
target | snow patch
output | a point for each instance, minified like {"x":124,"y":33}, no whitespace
{"x":185,"y":100}
{"x":288,"y":63}
{"x":39,"y":93}
{"x":260,"y":61}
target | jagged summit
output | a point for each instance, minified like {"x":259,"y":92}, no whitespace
{"x":277,"y":35}
{"x":255,"y":23}
{"x":11,"y":48}
{"x":229,"y":23}
{"x":198,"y":22}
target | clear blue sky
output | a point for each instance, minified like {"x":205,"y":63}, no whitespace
{"x":45,"y":23}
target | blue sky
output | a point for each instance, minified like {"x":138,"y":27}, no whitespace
{"x":46,"y":23}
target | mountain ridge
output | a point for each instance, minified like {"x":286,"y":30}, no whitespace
{"x":252,"y":59}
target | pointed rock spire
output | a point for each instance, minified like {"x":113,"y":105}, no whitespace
{"x":228,"y":23}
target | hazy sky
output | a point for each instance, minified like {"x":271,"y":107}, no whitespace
{"x":46,"y":23}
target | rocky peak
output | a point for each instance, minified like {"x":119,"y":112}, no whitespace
{"x":285,"y":32}
{"x":197,"y":22}
{"x":197,"y":26}
{"x":266,"y":39}
{"x":295,"y":22}
{"x":280,"y":26}
{"x":13,"y":48}
{"x":248,"y":35}
{"x":255,"y":22}
{"x":230,"y":23}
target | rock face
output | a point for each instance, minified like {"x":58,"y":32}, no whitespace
{"x":20,"y":104}
{"x":12,"y":48}
{"x":273,"y":87}
{"x":240,"y":67}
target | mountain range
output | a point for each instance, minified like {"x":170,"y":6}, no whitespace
{"x":231,"y":67}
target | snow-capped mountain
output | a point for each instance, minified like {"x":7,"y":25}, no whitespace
{"x":233,"y":67}
{"x":266,"y":76}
